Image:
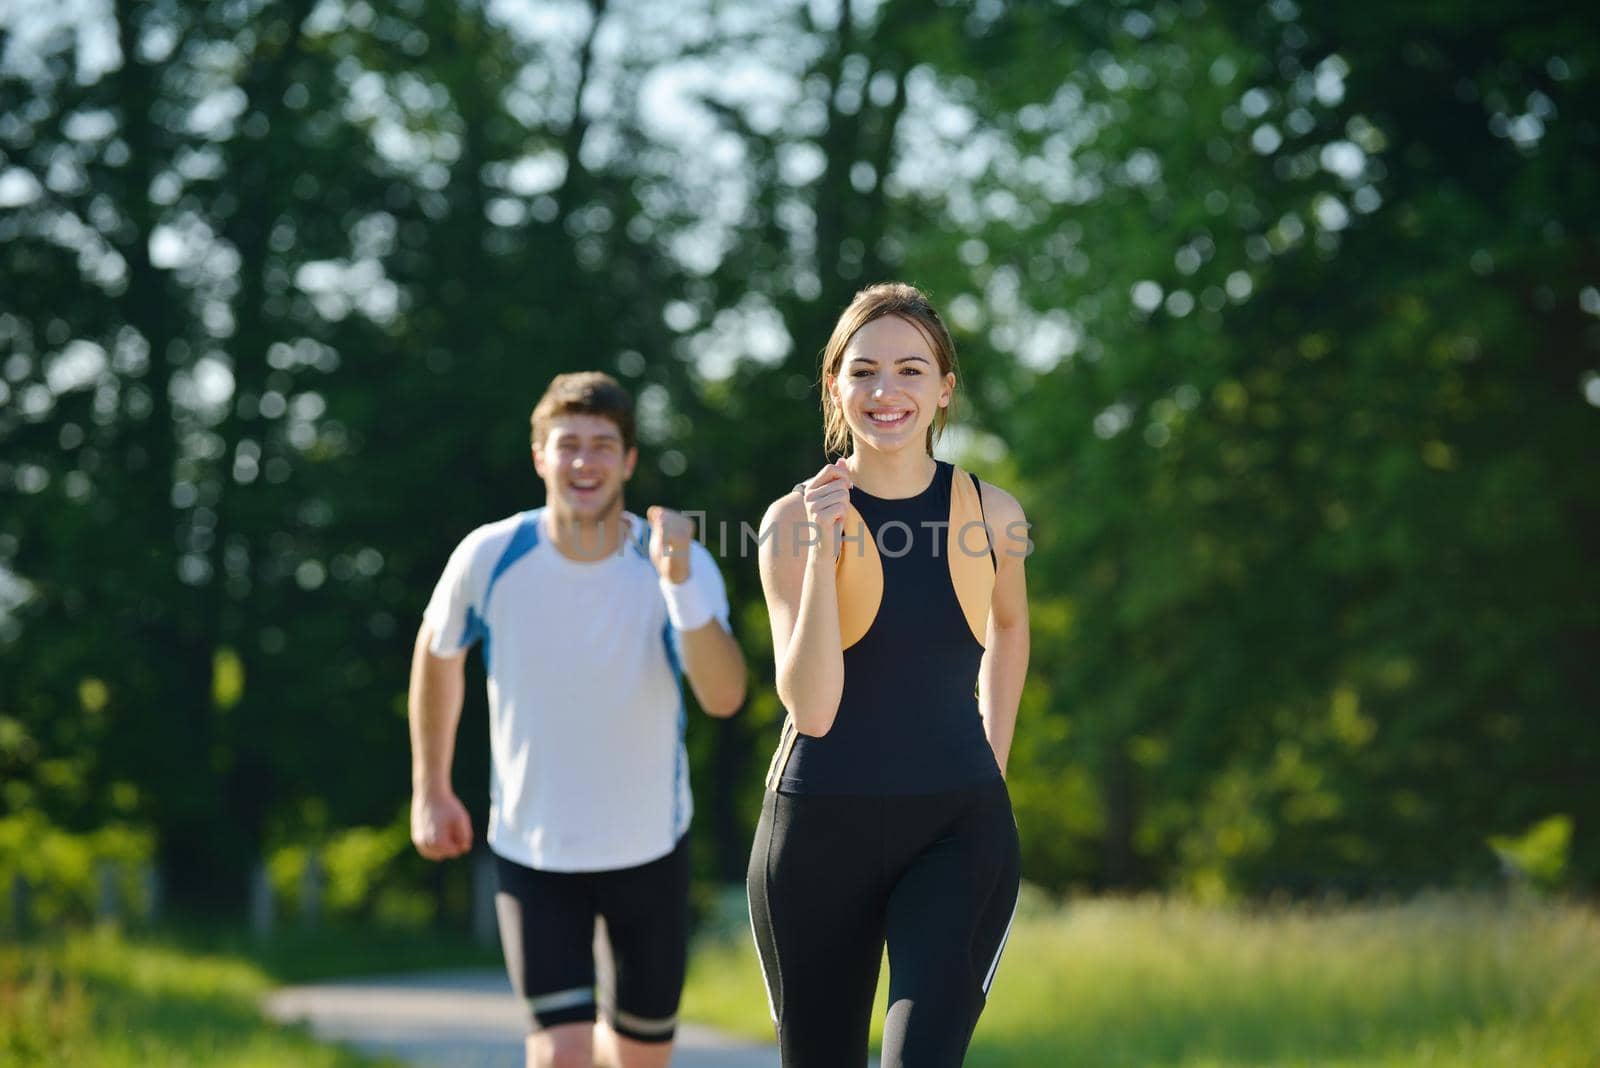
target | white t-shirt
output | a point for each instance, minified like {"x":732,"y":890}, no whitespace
{"x":586,"y":712}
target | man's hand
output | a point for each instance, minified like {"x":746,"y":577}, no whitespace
{"x":440,"y":826}
{"x":670,"y":535}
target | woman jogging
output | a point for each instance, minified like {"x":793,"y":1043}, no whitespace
{"x":894,"y":583}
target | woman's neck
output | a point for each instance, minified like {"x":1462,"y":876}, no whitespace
{"x":891,"y":475}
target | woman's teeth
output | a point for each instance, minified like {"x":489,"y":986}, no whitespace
{"x":888,"y":418}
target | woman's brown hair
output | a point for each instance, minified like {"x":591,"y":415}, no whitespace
{"x":874,"y":302}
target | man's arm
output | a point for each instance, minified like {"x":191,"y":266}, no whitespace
{"x":440,"y":826}
{"x":715,"y":667}
{"x":711,"y":658}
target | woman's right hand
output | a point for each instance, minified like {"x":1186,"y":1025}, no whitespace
{"x":801,"y":535}
{"x":826,"y":495}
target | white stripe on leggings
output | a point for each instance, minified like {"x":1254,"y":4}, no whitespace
{"x":996,"y":963}
{"x":750,"y":909}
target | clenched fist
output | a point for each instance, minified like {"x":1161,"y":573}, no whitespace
{"x":827,"y":495}
{"x":440,"y":826}
{"x":670,"y":535}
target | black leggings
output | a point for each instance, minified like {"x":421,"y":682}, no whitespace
{"x":833,"y":877}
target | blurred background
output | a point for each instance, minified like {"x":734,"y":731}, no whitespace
{"x":1282,"y":321}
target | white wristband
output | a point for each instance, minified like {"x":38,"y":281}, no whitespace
{"x":686,"y":605}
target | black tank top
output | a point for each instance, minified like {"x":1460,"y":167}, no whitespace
{"x":914,"y":579}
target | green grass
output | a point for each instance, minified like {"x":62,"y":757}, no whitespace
{"x":295,"y":954}
{"x":191,"y":995}
{"x":1446,"y":982}
{"x":94,"y":998}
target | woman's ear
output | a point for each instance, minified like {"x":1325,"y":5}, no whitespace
{"x":949,"y":390}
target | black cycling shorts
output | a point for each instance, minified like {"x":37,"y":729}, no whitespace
{"x":547,"y":923}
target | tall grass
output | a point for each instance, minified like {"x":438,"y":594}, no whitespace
{"x":1446,"y":982}
{"x":93,"y":998}
{"x":1442,"y":982}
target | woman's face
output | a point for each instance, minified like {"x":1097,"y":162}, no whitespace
{"x":889,"y":386}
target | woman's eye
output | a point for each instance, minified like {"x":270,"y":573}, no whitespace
{"x":912,"y":371}
{"x":860,"y":374}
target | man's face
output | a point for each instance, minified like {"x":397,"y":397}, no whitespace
{"x":583,"y":464}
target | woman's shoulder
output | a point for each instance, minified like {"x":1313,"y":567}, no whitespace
{"x":779,"y":540}
{"x":787,"y":513}
{"x":1000,"y":506}
{"x":791,"y":505}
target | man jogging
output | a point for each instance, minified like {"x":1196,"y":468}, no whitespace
{"x":587,"y":617}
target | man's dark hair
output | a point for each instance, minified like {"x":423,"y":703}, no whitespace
{"x":584,"y":393}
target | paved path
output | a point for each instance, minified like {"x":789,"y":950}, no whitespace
{"x":461,"y":1019}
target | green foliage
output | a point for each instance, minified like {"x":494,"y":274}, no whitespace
{"x":1540,"y":854}
{"x":59,"y":877}
{"x":227,"y":678}
{"x":1279,"y":319}
{"x":1290,"y":425}
{"x":364,"y":873}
